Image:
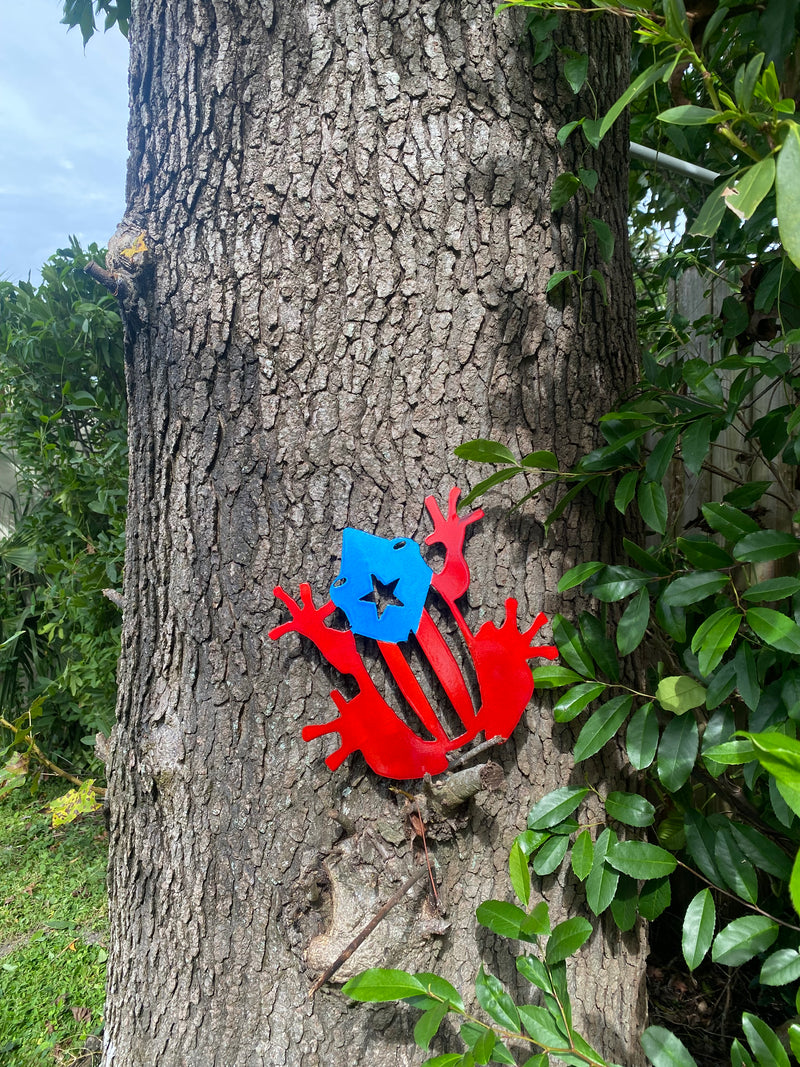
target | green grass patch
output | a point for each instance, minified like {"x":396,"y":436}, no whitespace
{"x":53,"y":927}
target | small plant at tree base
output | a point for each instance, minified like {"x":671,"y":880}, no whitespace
{"x":545,"y":1029}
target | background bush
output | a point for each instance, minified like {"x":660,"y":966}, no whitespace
{"x":63,"y":434}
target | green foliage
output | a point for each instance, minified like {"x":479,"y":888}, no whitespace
{"x":52,"y":932}
{"x":82,"y":13}
{"x":63,"y":436}
{"x":707,"y":605}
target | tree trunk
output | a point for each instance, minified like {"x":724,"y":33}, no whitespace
{"x":346,"y":211}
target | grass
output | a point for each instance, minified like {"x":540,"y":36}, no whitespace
{"x":53,"y":930}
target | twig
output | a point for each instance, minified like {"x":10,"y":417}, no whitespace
{"x":364,"y":933}
{"x":115,"y":598}
{"x":427,"y":857}
{"x":47,"y":762}
{"x":482,"y":747}
{"x":115,"y":285}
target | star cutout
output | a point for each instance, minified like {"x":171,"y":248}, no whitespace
{"x":382,"y":596}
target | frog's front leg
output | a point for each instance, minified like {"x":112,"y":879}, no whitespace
{"x":453,"y":579}
{"x":337,"y":646}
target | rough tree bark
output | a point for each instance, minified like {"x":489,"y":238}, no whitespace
{"x":346,"y":210}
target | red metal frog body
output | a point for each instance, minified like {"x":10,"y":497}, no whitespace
{"x":367,"y":722}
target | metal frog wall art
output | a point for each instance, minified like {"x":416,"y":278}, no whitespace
{"x":383,"y":587}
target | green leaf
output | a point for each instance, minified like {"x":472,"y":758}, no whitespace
{"x":655,"y":898}
{"x":436,"y":988}
{"x":578,"y":575}
{"x":541,"y":460}
{"x":605,"y":239}
{"x":659,"y":459}
{"x":748,"y":192}
{"x":600,"y":647}
{"x":764,"y":1042}
{"x":763,"y":852}
{"x":494,"y":1000}
{"x":630,"y":809}
{"x":537,"y":923}
{"x":542,"y":1027}
{"x":689,"y":115}
{"x":534,"y":970}
{"x":652,"y":501}
{"x":780,"y":755}
{"x":794,"y":884}
{"x":677,"y":752}
{"x":747,"y":676}
{"x":695,"y":442}
{"x":765,"y":545}
{"x":640,"y":859}
{"x":429,"y":1023}
{"x":482,"y":450}
{"x":519,"y":873}
{"x":633,"y":623}
{"x":745,"y":81}
{"x":602,"y":881}
{"x":501,"y":917}
{"x":781,"y":967}
{"x":698,"y":928}
{"x":378,"y":985}
{"x":563,"y":133}
{"x":680,"y":694}
{"x":736,"y":869}
{"x":571,"y":648}
{"x":641,"y":739}
{"x":449,"y":1059}
{"x":540,"y":1059}
{"x":575,"y":69}
{"x":567,"y":938}
{"x":552,"y":675}
{"x":694,"y":587}
{"x":744,"y":496}
{"x":638,"y":85}
{"x":554,"y":807}
{"x":550,"y":855}
{"x":664,"y":1049}
{"x":700,"y":841}
{"x":484,"y":486}
{"x":582,"y":855}
{"x":729,"y":521}
{"x":601,"y":727}
{"x":794,"y":1039}
{"x":787,"y":194}
{"x":771,"y":589}
{"x":564,"y":188}
{"x":775,"y":629}
{"x":575,"y":700}
{"x":740,"y":1057}
{"x":714,"y":637}
{"x":557,"y":277}
{"x":731,"y":753}
{"x":610,"y":584}
{"x":742,"y":939}
{"x":711,"y":214}
{"x":626,"y":490}
{"x":624,"y":906}
{"x":720,"y":687}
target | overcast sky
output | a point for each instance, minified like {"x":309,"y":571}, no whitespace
{"x":63,"y":130}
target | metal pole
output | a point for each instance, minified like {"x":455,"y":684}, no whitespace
{"x":661,"y":159}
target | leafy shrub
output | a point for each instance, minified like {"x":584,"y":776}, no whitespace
{"x":63,"y":432}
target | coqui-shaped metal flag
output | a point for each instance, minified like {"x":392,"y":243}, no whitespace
{"x":383,"y":587}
